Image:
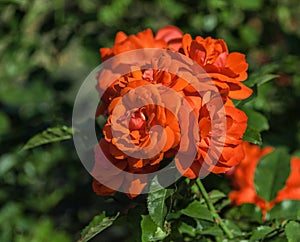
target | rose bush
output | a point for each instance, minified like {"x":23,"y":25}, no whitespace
{"x":47,"y":49}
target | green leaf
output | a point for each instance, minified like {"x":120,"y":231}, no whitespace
{"x":249,"y":34}
{"x":256,"y":120}
{"x":271,"y":173}
{"x":260,"y":233}
{"x":4,"y":123}
{"x":150,"y":231}
{"x":251,"y":211}
{"x":184,"y":228}
{"x":197,"y":210}
{"x":292,"y":231}
{"x":214,"y":196}
{"x":286,"y":209}
{"x":245,"y":212}
{"x":96,"y":226}
{"x":213,"y":230}
{"x":50,"y":135}
{"x":173,"y":216}
{"x":260,"y":79}
{"x":252,"y":135}
{"x":256,"y":123}
{"x":156,"y":202}
{"x":41,"y":232}
{"x":266,"y":78}
{"x":7,"y":162}
{"x":248,"y":5}
{"x":233,"y":227}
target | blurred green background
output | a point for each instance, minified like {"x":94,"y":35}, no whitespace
{"x":47,"y":48}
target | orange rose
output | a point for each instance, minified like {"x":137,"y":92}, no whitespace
{"x":169,"y":36}
{"x":150,"y":75}
{"x":144,"y":118}
{"x":227,"y":153}
{"x":291,"y":191}
{"x":138,"y":130}
{"x":227,"y":70}
{"x":116,"y":178}
{"x":128,"y":133}
{"x":242,"y":179}
{"x":102,"y":172}
{"x":133,"y":130}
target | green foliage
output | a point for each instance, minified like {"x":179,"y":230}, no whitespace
{"x":196,"y":210}
{"x":256,"y":124}
{"x":96,"y":226}
{"x":49,"y":136}
{"x":256,"y":120}
{"x":260,"y":233}
{"x":271,"y":174}
{"x":284,"y":210}
{"x":260,"y":78}
{"x":215,"y":196}
{"x":156,"y":202}
{"x":4,"y":123}
{"x":112,"y":14}
{"x":245,"y":212}
{"x":253,"y":136}
{"x":150,"y":231}
{"x":292,"y":231}
{"x":184,"y":228}
{"x":248,"y":5}
{"x":41,"y":232}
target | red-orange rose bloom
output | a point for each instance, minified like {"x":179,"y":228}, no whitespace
{"x":226,"y":70}
{"x":167,"y":37}
{"x":242,"y":178}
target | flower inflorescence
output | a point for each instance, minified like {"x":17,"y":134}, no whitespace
{"x":219,"y":123}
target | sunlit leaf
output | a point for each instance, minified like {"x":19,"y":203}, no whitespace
{"x":96,"y":226}
{"x":292,"y":231}
{"x":197,"y":210}
{"x":156,"y":202}
{"x":150,"y":231}
{"x":50,"y":135}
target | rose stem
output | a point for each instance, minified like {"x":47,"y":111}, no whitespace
{"x":213,"y":211}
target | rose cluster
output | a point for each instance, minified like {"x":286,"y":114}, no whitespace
{"x":226,"y":71}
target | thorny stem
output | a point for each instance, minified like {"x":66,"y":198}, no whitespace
{"x":213,"y":211}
